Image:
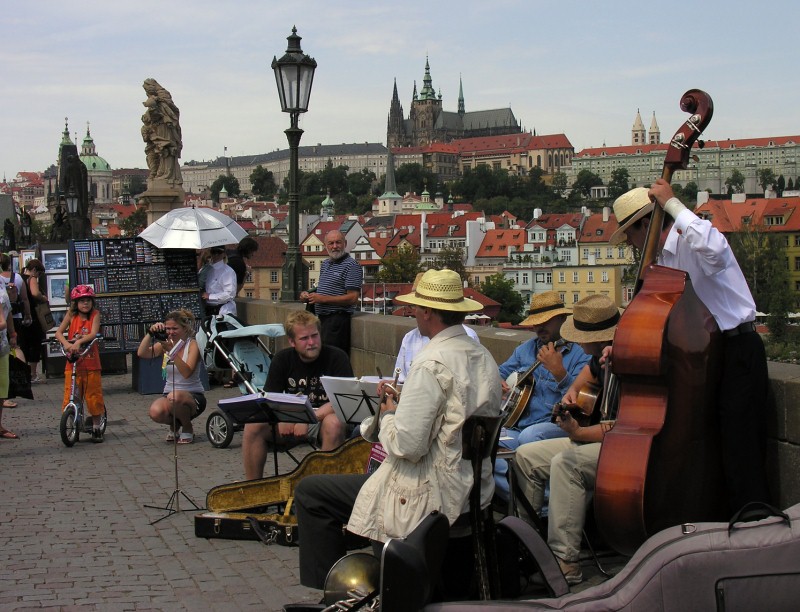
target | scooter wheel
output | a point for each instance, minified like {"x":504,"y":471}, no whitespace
{"x":69,"y":427}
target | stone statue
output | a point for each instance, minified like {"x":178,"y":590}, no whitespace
{"x":161,"y":132}
{"x":60,"y":231}
{"x":9,"y":238}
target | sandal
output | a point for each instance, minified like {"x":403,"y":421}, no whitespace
{"x":9,"y":435}
{"x":186,"y":438}
{"x":170,"y":436}
{"x":9,"y":404}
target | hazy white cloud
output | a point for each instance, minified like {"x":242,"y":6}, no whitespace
{"x":574,"y":67}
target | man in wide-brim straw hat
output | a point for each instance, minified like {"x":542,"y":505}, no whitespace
{"x":559,"y":367}
{"x":570,"y":464}
{"x":451,"y":379}
{"x":413,"y":342}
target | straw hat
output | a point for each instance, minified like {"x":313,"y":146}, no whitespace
{"x":544,"y":307}
{"x":442,"y":290}
{"x":628,"y":209}
{"x":594,"y":319}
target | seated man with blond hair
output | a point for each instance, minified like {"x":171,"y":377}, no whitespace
{"x":299,"y":369}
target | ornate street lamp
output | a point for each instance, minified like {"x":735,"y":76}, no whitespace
{"x":72,"y":210}
{"x":25,"y":227}
{"x":294,"y":74}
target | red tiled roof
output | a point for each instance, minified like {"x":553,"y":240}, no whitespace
{"x":554,"y":221}
{"x":728,"y":216}
{"x":597,"y":230}
{"x":496,"y":242}
{"x":739,"y":143}
{"x":270,"y":254}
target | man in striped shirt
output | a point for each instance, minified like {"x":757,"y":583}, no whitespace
{"x":337,"y":292}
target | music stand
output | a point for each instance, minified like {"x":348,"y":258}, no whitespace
{"x":272,"y":408}
{"x":173,"y":505}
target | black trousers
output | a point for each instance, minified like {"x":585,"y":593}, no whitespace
{"x":323,"y":504}
{"x":743,"y":397}
{"x":336,"y":330}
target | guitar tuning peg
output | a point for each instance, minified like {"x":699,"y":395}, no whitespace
{"x":695,"y":159}
{"x":701,"y":144}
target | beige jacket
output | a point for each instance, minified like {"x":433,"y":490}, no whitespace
{"x":451,"y":379}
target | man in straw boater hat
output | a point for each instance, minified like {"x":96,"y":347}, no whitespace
{"x":413,"y":342}
{"x":452,"y":379}
{"x":693,"y":245}
{"x":559,"y":367}
{"x":570,"y":464}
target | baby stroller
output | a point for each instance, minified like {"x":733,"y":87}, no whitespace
{"x":230,"y":345}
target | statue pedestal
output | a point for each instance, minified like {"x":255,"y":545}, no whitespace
{"x":159,"y":200}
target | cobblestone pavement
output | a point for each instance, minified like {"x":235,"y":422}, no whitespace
{"x":75,"y":532}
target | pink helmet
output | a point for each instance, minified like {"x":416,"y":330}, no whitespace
{"x":81,"y":291}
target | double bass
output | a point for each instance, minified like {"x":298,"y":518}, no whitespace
{"x":660,"y":465}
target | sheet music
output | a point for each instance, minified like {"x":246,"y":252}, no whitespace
{"x":269,"y":407}
{"x":353,"y":399}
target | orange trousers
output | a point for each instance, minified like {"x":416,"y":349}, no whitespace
{"x":90,"y":388}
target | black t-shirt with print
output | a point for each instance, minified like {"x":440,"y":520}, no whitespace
{"x":288,"y":374}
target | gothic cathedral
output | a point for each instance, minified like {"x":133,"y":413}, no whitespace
{"x":428,"y":123}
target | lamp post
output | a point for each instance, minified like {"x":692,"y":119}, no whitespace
{"x":25,"y":227}
{"x":294,"y":75}
{"x":72,"y":210}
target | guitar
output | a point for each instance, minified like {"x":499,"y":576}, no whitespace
{"x":521,"y":388}
{"x":582,"y":409}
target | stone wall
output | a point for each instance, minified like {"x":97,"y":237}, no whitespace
{"x":376,"y":340}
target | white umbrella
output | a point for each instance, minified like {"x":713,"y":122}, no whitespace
{"x":193,"y":228}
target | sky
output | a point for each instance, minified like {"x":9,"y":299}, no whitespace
{"x":582,"y":68}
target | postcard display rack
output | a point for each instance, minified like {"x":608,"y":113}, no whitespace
{"x":136,"y":285}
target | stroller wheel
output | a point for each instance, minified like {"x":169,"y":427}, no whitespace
{"x":219,"y":429}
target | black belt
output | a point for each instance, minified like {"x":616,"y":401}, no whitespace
{"x":743,"y":328}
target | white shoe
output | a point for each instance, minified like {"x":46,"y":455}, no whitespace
{"x":571,"y":570}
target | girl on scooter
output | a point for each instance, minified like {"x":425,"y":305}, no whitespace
{"x":79,"y":327}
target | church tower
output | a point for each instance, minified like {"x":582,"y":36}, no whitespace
{"x":654,"y":136}
{"x":638,"y":134}
{"x":427,"y":107}
{"x":396,"y":127}
{"x":98,"y":169}
{"x":390,"y":202}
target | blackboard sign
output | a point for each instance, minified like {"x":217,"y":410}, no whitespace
{"x":136,"y":285}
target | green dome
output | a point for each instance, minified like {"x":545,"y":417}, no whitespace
{"x":95,"y":162}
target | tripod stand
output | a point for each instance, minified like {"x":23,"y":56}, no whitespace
{"x":173,"y":505}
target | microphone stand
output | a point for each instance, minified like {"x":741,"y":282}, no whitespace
{"x":173,"y":505}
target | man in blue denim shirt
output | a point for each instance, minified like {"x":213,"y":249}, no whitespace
{"x":559,"y":367}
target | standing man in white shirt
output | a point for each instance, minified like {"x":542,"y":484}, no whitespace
{"x":220,"y":288}
{"x":693,"y":245}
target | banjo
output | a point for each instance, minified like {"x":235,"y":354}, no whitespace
{"x":521,"y":386}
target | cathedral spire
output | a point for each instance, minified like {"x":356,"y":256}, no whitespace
{"x":427,"y":92}
{"x":461,"y":107}
{"x":654,"y":137}
{"x":638,"y":132}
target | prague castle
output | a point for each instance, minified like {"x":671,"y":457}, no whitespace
{"x":427,"y":122}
